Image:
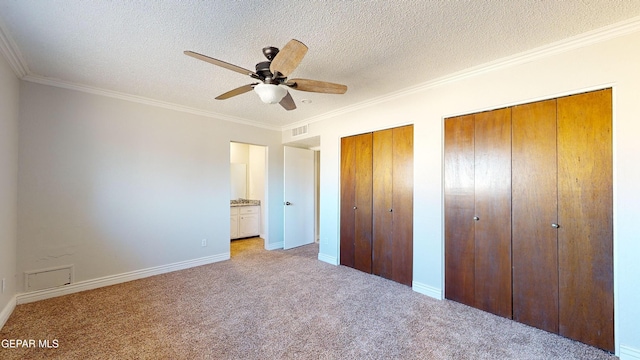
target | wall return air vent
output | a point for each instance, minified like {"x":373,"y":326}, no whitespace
{"x":301,"y":130}
{"x":48,"y":278}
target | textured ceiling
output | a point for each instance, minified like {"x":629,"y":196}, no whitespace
{"x":374,"y":47}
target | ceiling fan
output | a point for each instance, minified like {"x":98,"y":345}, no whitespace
{"x":273,"y":75}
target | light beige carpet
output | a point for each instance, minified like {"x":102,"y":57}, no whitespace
{"x":273,"y":305}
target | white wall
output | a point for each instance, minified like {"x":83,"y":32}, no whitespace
{"x":239,"y":170}
{"x":254,"y":157}
{"x":257,"y":168}
{"x":239,"y":153}
{"x":9,"y":102}
{"x":614,"y":62}
{"x":114,"y":186}
{"x":257,"y":181}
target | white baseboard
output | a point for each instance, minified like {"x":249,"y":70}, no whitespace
{"x":274,"y":246}
{"x":117,"y":279}
{"x":629,"y":353}
{"x":6,"y":312}
{"x":425,"y":289}
{"x":328,"y":259}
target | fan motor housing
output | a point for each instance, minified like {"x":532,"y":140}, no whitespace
{"x":263,"y":70}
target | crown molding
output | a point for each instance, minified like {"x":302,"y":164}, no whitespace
{"x":143,"y":100}
{"x":9,"y":50}
{"x":585,"y":39}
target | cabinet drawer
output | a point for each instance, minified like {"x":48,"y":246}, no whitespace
{"x":234,"y":210}
{"x":249,"y":210}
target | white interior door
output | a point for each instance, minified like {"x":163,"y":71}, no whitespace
{"x":298,"y":197}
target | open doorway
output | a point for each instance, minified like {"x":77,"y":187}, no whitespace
{"x":248,"y":200}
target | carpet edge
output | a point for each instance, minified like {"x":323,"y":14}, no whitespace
{"x":24,"y":298}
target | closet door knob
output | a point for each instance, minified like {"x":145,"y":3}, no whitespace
{"x":355,"y":208}
{"x":555,"y":226}
{"x":476,"y":218}
{"x":390,"y":210}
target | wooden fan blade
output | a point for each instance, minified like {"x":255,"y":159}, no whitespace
{"x":221,"y":63}
{"x":316,"y":86}
{"x":237,"y":91}
{"x":287,"y":102}
{"x":288,"y":58}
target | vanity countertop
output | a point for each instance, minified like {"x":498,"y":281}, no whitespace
{"x":244,"y":202}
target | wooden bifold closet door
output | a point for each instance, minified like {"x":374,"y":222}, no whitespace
{"x":585,"y":217}
{"x":478,"y":210}
{"x":534,"y":210}
{"x":376,"y":203}
{"x":545,"y":169}
{"x":356,"y":202}
{"x":493,"y":211}
{"x":459,"y":169}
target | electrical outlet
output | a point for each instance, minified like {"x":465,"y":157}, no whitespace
{"x":204,"y":242}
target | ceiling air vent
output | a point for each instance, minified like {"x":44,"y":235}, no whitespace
{"x":300,"y":130}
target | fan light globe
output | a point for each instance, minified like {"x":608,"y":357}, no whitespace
{"x":270,"y":93}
